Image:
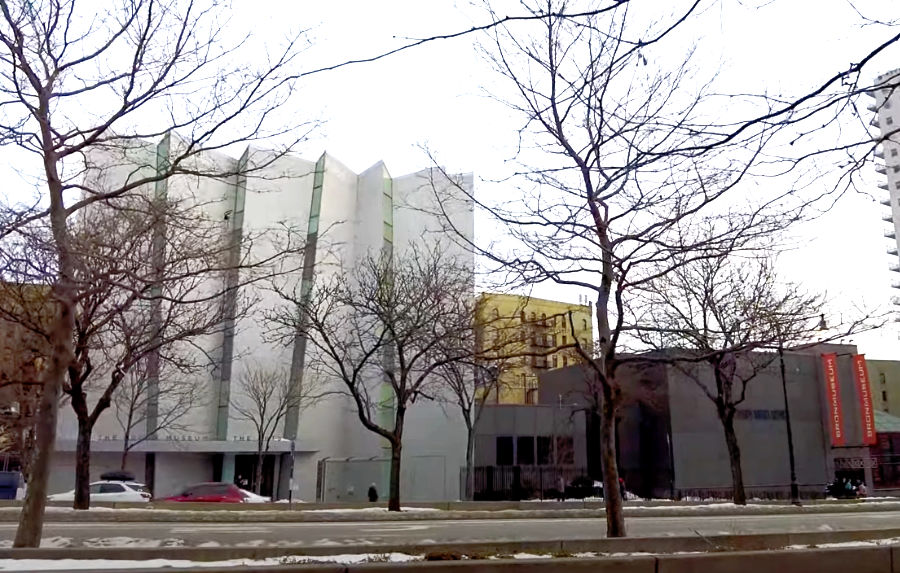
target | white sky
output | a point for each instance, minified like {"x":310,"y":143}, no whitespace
{"x":435,"y":96}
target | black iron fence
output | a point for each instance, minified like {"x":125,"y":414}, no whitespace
{"x":515,"y":483}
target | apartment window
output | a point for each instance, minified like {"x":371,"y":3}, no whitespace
{"x":544,"y":450}
{"x":504,"y":450}
{"x":583,"y":324}
{"x":543,"y":319}
{"x":896,"y":168}
{"x":897,"y":185}
{"x":884,"y":396}
{"x":889,"y":120}
{"x":565,"y":450}
{"x":555,"y":361}
{"x":881,"y":377}
{"x":887,"y":104}
{"x":522,"y":316}
{"x":553,"y":339}
{"x":565,"y":361}
{"x":894,"y":152}
{"x":553,"y":321}
{"x":531,"y":397}
{"x":565,"y":340}
{"x":525,"y":450}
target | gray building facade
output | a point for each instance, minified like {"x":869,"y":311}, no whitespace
{"x":671,"y":442}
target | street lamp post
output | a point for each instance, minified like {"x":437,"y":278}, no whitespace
{"x":795,"y":490}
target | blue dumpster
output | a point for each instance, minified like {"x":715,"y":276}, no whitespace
{"x":9,"y":483}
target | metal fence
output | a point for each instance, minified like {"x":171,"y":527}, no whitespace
{"x":514,"y":483}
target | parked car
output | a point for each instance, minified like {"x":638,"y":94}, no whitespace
{"x":110,"y":490}
{"x":582,"y":487}
{"x":217,"y":492}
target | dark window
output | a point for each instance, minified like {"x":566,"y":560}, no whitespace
{"x":881,"y":377}
{"x":887,"y":104}
{"x":95,"y":488}
{"x":543,"y":450}
{"x":111,"y":488}
{"x":565,"y":450}
{"x":139,"y":487}
{"x":889,"y":120}
{"x":761,"y":414}
{"x":531,"y":396}
{"x":504,"y":450}
{"x":525,"y":450}
{"x":896,"y":168}
{"x":893,"y":152}
{"x":897,"y":185}
{"x":778,"y":415}
{"x":565,"y":361}
{"x":884,"y":396}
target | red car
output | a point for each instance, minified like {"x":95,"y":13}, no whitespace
{"x":211,"y":492}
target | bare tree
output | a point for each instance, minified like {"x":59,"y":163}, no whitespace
{"x":266,"y":396}
{"x":723,"y":318}
{"x":145,"y":406}
{"x":78,"y":78}
{"x":381,"y":329}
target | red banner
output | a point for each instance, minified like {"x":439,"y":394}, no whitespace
{"x":864,"y":391}
{"x":833,"y":395}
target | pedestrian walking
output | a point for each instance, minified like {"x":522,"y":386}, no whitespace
{"x":373,"y":493}
{"x":561,"y":488}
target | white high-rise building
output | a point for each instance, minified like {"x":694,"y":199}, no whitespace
{"x":887,"y":118}
{"x":344,"y":215}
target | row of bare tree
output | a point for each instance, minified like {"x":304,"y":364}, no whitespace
{"x":632,"y":168}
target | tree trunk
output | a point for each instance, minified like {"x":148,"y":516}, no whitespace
{"x":31,"y":520}
{"x":125,"y":443}
{"x":83,"y":466}
{"x":257,"y":475}
{"x":734,"y":457}
{"x":615,"y":517}
{"x":470,"y":463}
{"x":394,"y":494}
{"x":592,"y":442}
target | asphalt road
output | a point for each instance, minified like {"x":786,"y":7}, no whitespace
{"x":361,"y":533}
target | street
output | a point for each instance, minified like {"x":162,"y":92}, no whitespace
{"x":378,"y":532}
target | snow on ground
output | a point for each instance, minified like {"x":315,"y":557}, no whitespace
{"x":98,"y":564}
{"x":531,"y":556}
{"x":45,"y":542}
{"x":869,"y":543}
{"x":371,"y":510}
{"x":131,"y":542}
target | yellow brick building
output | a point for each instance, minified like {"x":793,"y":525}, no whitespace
{"x":527,"y":336}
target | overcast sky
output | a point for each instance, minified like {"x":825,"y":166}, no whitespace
{"x":436,"y":95}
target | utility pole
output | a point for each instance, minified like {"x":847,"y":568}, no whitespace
{"x":795,"y":490}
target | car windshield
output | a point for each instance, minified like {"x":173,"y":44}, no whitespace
{"x":138,"y":487}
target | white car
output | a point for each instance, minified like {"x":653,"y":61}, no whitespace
{"x":110,"y":491}
{"x":250,"y":497}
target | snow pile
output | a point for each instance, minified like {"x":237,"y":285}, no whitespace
{"x":371,"y":510}
{"x":131,"y":542}
{"x":99,"y":564}
{"x":868,"y":543}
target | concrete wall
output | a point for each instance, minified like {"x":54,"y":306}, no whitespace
{"x":175,"y":471}
{"x":700,"y":453}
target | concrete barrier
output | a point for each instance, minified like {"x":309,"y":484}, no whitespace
{"x":842,"y":560}
{"x":839,"y":560}
{"x":657,"y":545}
